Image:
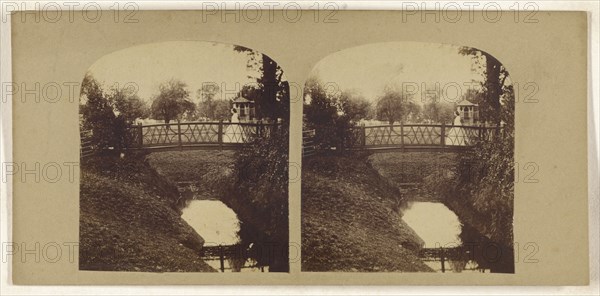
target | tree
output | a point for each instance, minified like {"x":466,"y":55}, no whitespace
{"x":484,"y":176}
{"x":261,"y":177}
{"x":438,"y":112}
{"x":274,"y":99}
{"x":395,"y":106}
{"x":493,"y":85}
{"x":172,"y":101}
{"x":129,"y":105}
{"x":475,"y":96}
{"x":97,"y":112}
{"x":353,"y":107}
{"x":320,"y":107}
{"x":321,"y":114}
{"x":209,"y":107}
{"x":332,"y":113}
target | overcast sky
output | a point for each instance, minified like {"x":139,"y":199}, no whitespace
{"x":366,"y":69}
{"x":369,"y":68}
{"x":192,"y":62}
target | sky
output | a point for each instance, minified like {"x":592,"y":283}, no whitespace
{"x":193,"y":62}
{"x":368,"y":69}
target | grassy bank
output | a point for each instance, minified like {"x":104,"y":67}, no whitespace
{"x":128,"y":221}
{"x":434,"y":172}
{"x":191,"y":165}
{"x":350,"y":220}
{"x":413,"y":169}
{"x":210,"y":170}
{"x":439,"y":181}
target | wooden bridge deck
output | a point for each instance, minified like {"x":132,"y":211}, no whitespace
{"x":231,"y":136}
{"x":409,"y":138}
{"x":196,"y":135}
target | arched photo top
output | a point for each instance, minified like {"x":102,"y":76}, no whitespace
{"x":176,"y":128}
{"x":188,"y":81}
{"x":453,"y":78}
{"x":424,"y":131}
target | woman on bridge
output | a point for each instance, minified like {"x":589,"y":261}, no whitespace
{"x":233,"y":131}
{"x":456,"y":134}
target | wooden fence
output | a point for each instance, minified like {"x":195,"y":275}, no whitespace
{"x":308,"y":143}
{"x":196,"y":134}
{"x":424,"y":136}
{"x":85,"y":148}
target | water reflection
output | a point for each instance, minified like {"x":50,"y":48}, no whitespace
{"x":439,"y":227}
{"x":434,"y":223}
{"x":218,"y":225}
{"x":213,"y":220}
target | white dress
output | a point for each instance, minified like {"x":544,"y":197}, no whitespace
{"x":456,"y":134}
{"x":232,"y":133}
{"x":235,"y":118}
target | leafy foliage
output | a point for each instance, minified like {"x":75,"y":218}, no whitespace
{"x":396,"y":106}
{"x":270,"y":93}
{"x":107,"y":115}
{"x":332,"y":114}
{"x":210,"y":107}
{"x":353,"y":107}
{"x":98,"y":115}
{"x":172,"y":101}
{"x":485,"y":175}
{"x":129,"y":105}
{"x":438,"y":112}
{"x":260,"y":185}
{"x":493,"y":85}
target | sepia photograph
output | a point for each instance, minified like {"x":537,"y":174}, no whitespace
{"x":184,"y":160}
{"x":408,"y":153}
{"x":264,"y":147}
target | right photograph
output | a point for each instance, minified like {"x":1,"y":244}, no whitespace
{"x":408,"y":161}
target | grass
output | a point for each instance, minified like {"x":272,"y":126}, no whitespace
{"x":350,"y":219}
{"x":190,"y":165}
{"x":208,"y":169}
{"x":128,"y":221}
{"x":415,"y":169}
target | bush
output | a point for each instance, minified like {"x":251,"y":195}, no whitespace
{"x":259,"y":195}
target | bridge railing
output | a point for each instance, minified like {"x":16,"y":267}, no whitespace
{"x":180,"y":134}
{"x":308,"y":144}
{"x":421,"y":135}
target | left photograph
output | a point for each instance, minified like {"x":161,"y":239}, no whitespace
{"x":184,"y":160}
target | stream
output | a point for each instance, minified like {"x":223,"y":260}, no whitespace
{"x":439,"y":226}
{"x":218,"y":225}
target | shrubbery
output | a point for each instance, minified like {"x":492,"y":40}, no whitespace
{"x":259,"y":195}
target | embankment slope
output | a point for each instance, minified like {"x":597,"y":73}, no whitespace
{"x":128,"y":222}
{"x":350,"y":220}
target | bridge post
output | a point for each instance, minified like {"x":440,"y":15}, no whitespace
{"x":258,"y":128}
{"x":442,"y":259}
{"x":401,"y":134}
{"x":140,"y":135}
{"x":222,"y":258}
{"x":220,"y":134}
{"x":443,"y":134}
{"x":363,"y":140}
{"x":179,"y":134}
{"x":343,"y":139}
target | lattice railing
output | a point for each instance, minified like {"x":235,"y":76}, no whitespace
{"x":418,"y":135}
{"x":195,"y":133}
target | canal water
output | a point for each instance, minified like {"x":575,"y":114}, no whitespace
{"x":439,"y":227}
{"x":218,"y":225}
